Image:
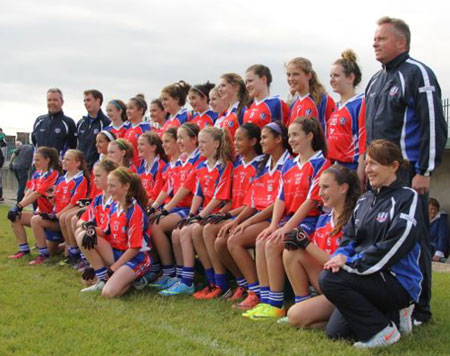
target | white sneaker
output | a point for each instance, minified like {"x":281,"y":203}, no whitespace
{"x":406,"y":324}
{"x":98,"y":286}
{"x":388,"y":336}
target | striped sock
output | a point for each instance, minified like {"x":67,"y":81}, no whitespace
{"x":155,"y":268}
{"x":242,"y":282}
{"x":74,"y":251}
{"x":276,"y":299}
{"x":24,"y":248}
{"x":168,"y":270}
{"x":221,"y":280}
{"x":254,"y":287}
{"x":101,"y":273}
{"x":265,"y":294}
{"x":209,"y":273}
{"x":83,"y":257}
{"x":43,"y":251}
{"x":301,"y":298}
{"x":179,"y":272}
{"x":188,"y":276}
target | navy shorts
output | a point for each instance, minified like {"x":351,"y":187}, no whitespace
{"x":53,"y":236}
{"x":140,"y":263}
{"x":181,"y":212}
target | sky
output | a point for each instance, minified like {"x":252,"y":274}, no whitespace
{"x":138,"y":46}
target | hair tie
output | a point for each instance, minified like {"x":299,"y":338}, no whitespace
{"x":121,"y":143}
{"x":274,"y":126}
{"x":108,"y":135}
{"x":197,"y":89}
{"x":117,"y":105}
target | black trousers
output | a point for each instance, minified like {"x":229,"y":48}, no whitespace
{"x":422,"y":310}
{"x":22,"y":177}
{"x":365,"y":305}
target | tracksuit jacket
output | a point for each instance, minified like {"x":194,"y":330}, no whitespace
{"x":403,"y":105}
{"x":383,"y":236}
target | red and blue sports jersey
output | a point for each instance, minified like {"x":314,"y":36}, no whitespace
{"x":183,"y":175}
{"x":98,"y":211}
{"x":44,"y":184}
{"x":207,"y":118}
{"x":230,"y":120}
{"x":69,"y":190}
{"x":213,"y":183}
{"x":322,"y":236}
{"x":119,"y":131}
{"x":306,"y":107}
{"x":151,"y":176}
{"x":243,"y":173}
{"x":132,"y":135}
{"x":128,"y":228}
{"x":301,"y":182}
{"x":156,"y":127}
{"x":93,"y":189}
{"x":219,"y":120}
{"x":265,"y":186}
{"x":267,"y":110}
{"x":346,"y":131}
{"x":182,"y":116}
{"x":166,"y":174}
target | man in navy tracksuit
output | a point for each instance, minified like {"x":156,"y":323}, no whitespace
{"x":404,"y":106}
{"x":90,"y":125}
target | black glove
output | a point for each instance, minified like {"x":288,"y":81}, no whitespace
{"x":90,"y":237}
{"x":216,"y":218}
{"x":80,"y":212}
{"x":49,"y":217}
{"x":110,"y":272}
{"x":150,"y":211}
{"x":191,"y":220}
{"x":88,"y":274}
{"x":296,"y":239}
{"x":157,"y":216}
{"x":84,"y":202}
{"x":15,"y":213}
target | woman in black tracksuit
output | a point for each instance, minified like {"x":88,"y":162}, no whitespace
{"x":374,"y":273}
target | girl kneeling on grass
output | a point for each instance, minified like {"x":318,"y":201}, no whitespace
{"x":249,"y":151}
{"x":297,"y":204}
{"x":119,"y":253}
{"x":40,"y":189}
{"x":255,"y":217}
{"x":303,"y":261}
{"x":212,"y":189}
{"x":97,"y":212}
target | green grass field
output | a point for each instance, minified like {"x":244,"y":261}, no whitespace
{"x":43,"y":313}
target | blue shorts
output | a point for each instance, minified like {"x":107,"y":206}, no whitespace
{"x":140,"y":263}
{"x":53,"y":236}
{"x":350,"y":165}
{"x":181,"y":212}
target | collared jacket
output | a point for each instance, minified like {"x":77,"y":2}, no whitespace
{"x":55,"y":130}
{"x":88,"y":129}
{"x":383,"y":235}
{"x":403,"y":105}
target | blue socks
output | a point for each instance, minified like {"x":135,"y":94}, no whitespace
{"x":242,"y":282}
{"x":44,"y":252}
{"x":276,"y":299}
{"x":74,"y":251}
{"x":209,"y":273}
{"x":301,"y":298}
{"x":254,"y":287}
{"x":24,"y":248}
{"x":101,"y":273}
{"x":265,"y":294}
{"x":221,"y":281}
{"x":168,"y":270}
{"x":188,"y":276}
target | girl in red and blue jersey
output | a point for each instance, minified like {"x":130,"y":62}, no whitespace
{"x":346,"y":128}
{"x":158,"y":116}
{"x":136,"y":109}
{"x":255,"y":217}
{"x":178,"y":187}
{"x":218,"y":105}
{"x":248,"y":149}
{"x":69,"y":189}
{"x":119,"y":254}
{"x":264,"y":108}
{"x":212,"y":190}
{"x":153,"y":162}
{"x":173,"y":98}
{"x":312,"y":99}
{"x":121,"y":152}
{"x":117,"y":113}
{"x":296,"y":205}
{"x":232,"y":90}
{"x":39,"y":189}
{"x":102,"y":141}
{"x":199,"y":100}
{"x":339,"y":191}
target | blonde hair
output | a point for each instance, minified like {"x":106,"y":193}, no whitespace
{"x":225,"y":150}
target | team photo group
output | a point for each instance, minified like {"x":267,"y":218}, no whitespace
{"x":245,"y":192}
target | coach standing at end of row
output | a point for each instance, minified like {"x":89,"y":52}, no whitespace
{"x":404,"y":105}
